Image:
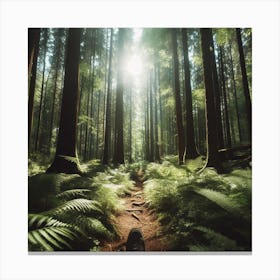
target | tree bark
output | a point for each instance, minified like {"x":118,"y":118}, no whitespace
{"x":211,"y":119}
{"x":33,"y":43}
{"x":57,"y":62}
{"x":45,"y":36}
{"x":107,"y":137}
{"x":119,"y":149}
{"x":33,"y":50}
{"x":180,"y":129}
{"x":66,"y":160}
{"x":245,"y":83}
{"x":223,"y":81}
{"x":152,"y":142}
{"x":235,"y":95}
{"x":191,"y":151}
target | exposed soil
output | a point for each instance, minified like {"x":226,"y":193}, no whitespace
{"x":136,"y":214}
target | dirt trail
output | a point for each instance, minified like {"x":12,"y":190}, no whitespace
{"x":137,"y":215}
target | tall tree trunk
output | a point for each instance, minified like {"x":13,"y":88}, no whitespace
{"x":179,"y":121}
{"x":147,"y":124}
{"x":235,"y":95}
{"x":130,"y":125}
{"x":211,"y":120}
{"x":60,"y":32}
{"x":217,"y":96}
{"x":157,"y":156}
{"x":107,"y":137}
{"x":97,"y":125}
{"x":89,"y":112}
{"x":33,"y":50}
{"x":223,"y":81}
{"x":152,"y":142}
{"x":66,"y":160}
{"x":119,"y":149}
{"x":45,"y":36}
{"x":79,"y":114}
{"x":160,"y":114}
{"x":245,"y":83}
{"x":191,"y":151}
{"x":33,"y":43}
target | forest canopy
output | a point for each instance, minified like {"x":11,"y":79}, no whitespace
{"x":167,"y":109}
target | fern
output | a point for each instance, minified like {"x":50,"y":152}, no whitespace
{"x":94,"y":227}
{"x":80,"y":205}
{"x":46,"y":233}
{"x":220,"y":199}
{"x":74,"y":193}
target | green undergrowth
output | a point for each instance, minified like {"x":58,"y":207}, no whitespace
{"x":201,"y":212}
{"x":70,"y":212}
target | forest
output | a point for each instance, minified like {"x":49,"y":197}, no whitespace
{"x":139,"y":139}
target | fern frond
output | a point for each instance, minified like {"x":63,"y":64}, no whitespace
{"x":50,"y":234}
{"x":220,"y":199}
{"x":74,"y":193}
{"x":79,"y":205}
{"x":216,"y":240}
{"x":94,"y":227}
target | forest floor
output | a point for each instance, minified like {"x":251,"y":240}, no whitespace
{"x":136,"y":214}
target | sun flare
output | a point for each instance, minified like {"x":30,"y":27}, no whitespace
{"x":134,"y":66}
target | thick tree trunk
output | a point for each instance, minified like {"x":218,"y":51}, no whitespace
{"x":107,"y":137}
{"x":119,"y":149}
{"x":33,"y":50}
{"x":245,"y":83}
{"x":180,"y":129}
{"x":33,"y":43}
{"x":66,"y":160}
{"x":211,"y":119}
{"x":191,"y":151}
{"x":217,"y":96}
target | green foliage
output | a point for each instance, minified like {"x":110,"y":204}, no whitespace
{"x":48,"y":234}
{"x":71,"y":212}
{"x":201,"y":212}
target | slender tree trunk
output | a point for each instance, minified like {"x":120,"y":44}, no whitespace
{"x":245,"y":83}
{"x":33,"y":50}
{"x":223,"y":81}
{"x":130,"y":125}
{"x":157,"y":155}
{"x":180,"y":129}
{"x":107,"y":138}
{"x":217,"y":96}
{"x":147,"y":119}
{"x":235,"y":95}
{"x":160,"y":114}
{"x":55,"y":88}
{"x":211,"y":119}
{"x":66,"y":160}
{"x":119,"y":149}
{"x":45,"y":35}
{"x":79,"y":114}
{"x":191,"y":151}
{"x":152,"y":142}
{"x":97,"y":125}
